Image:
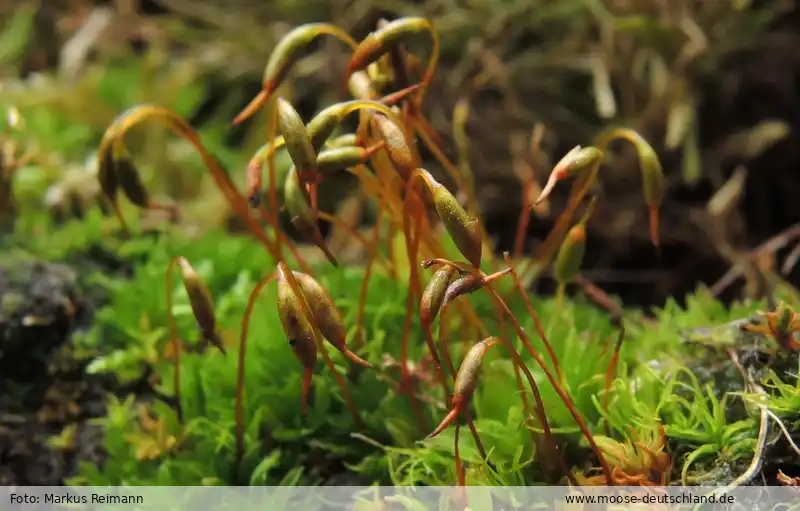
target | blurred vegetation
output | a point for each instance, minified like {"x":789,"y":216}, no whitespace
{"x":580,"y":65}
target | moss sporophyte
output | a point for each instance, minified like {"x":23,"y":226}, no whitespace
{"x":428,"y":249}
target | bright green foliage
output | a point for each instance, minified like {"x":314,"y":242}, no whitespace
{"x":658,"y":381}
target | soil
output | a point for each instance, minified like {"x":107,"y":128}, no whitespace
{"x":44,"y":390}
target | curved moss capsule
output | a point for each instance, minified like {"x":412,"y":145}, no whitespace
{"x":298,"y":331}
{"x":433,"y":297}
{"x":286,"y":53}
{"x":346,"y":140}
{"x":301,"y":214}
{"x":107,"y":174}
{"x":466,"y":381}
{"x":384,"y":39}
{"x":296,"y":140}
{"x":463,"y":285}
{"x":576,"y":160}
{"x":339,"y":158}
{"x":570,"y":255}
{"x":323,"y":124}
{"x":327,"y":316}
{"x":202,"y":304}
{"x":253,"y":183}
{"x":396,"y":145}
{"x":361,"y":87}
{"x":653,"y":182}
{"x":131,"y":183}
{"x":462,"y":228}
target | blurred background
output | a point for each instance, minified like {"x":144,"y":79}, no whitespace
{"x":712,"y":84}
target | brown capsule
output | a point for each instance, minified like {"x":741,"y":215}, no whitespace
{"x":396,"y":145}
{"x":131,"y":183}
{"x":570,"y":255}
{"x":434,"y":295}
{"x":76,"y":204}
{"x":107,"y":174}
{"x":253,"y":183}
{"x":466,"y":382}
{"x":576,"y":160}
{"x":298,"y":331}
{"x":466,"y":284}
{"x":201,"y":303}
{"x":301,"y":214}
{"x":326,"y":316}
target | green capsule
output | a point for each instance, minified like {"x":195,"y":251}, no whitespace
{"x":286,"y":53}
{"x":463,"y":229}
{"x":298,"y":144}
{"x":339,"y":158}
{"x":652,"y":173}
{"x":570,"y":255}
{"x":301,"y":214}
{"x":384,"y":39}
{"x":434,"y":294}
{"x":466,"y":382}
{"x":576,"y":160}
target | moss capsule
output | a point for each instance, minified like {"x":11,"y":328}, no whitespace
{"x":297,"y":142}
{"x":396,"y":145}
{"x":327,"y":316}
{"x":433,"y":297}
{"x":301,"y":214}
{"x":463,"y":229}
{"x":131,"y":183}
{"x":575,"y":161}
{"x":202,"y":304}
{"x":298,"y":331}
{"x":466,"y":382}
{"x":570,"y":255}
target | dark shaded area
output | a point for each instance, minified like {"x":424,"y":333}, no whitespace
{"x":44,"y":390}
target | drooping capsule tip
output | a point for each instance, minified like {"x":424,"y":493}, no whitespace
{"x":374,"y":148}
{"x":355,"y":358}
{"x":331,"y":258}
{"x":396,"y":97}
{"x":448,"y":419}
{"x":654,"y":227}
{"x":251,"y":108}
{"x":548,"y":188}
{"x":307,"y":374}
{"x":254,"y":200}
